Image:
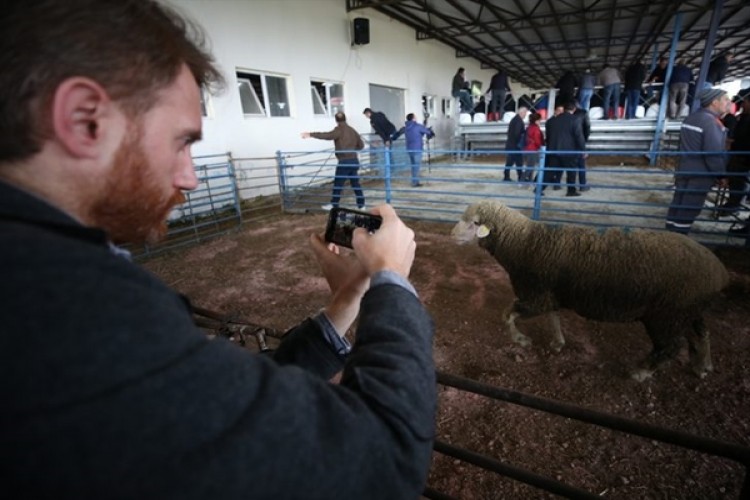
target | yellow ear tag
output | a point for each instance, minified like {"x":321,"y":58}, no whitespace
{"x":483,"y":231}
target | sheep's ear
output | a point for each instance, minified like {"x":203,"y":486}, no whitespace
{"x":483,"y":231}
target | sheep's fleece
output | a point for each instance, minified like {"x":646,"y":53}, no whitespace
{"x":664,"y":280}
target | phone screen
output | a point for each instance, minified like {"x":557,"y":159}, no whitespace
{"x":343,"y":221}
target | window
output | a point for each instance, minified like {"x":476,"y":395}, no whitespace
{"x":327,"y":97}
{"x":263,"y":95}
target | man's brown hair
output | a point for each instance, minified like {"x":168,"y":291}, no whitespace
{"x":133,"y":48}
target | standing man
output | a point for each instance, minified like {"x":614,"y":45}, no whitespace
{"x":516,"y":129}
{"x":584,"y":123}
{"x":586,"y":90}
{"x":346,"y":142}
{"x":382,"y":126}
{"x":739,"y":160}
{"x":658,"y":76}
{"x":567,"y":85}
{"x":108,"y":386}
{"x":499,"y":86}
{"x":609,"y":79}
{"x":679,"y":84}
{"x":458,"y":89}
{"x":414,"y":132}
{"x":564,"y":133}
{"x":634,"y":76}
{"x":717,"y":70}
{"x":701,"y":132}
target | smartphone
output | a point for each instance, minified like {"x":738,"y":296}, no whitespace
{"x":343,"y":221}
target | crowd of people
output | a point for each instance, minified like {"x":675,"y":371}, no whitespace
{"x":621,"y":93}
{"x":569,"y":130}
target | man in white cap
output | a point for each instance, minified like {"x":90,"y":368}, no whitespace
{"x":701,"y":132}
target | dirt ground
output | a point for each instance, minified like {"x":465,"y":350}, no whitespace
{"x":268,"y":276}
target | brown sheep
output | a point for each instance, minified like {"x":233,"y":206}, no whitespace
{"x":664,"y":280}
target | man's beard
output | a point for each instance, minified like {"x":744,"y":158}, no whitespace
{"x":132,"y":208}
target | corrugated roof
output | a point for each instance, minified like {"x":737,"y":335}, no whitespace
{"x":536,"y":41}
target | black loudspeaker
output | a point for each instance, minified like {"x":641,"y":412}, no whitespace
{"x":361,"y":31}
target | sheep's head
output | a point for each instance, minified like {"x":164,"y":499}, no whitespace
{"x":478,"y":221}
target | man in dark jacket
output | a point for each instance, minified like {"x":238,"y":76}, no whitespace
{"x":499,"y":87}
{"x":702,"y":132}
{"x":346,"y":142}
{"x":513,"y":146}
{"x":679,"y":84}
{"x":582,"y":116}
{"x":566,"y":85}
{"x":658,"y":76}
{"x":459,"y":88}
{"x":109,"y":389}
{"x":739,"y":160}
{"x":382,"y":125}
{"x":717,"y":70}
{"x":634,"y":76}
{"x":564,"y":133}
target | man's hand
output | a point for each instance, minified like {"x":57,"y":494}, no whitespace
{"x":347,"y":279}
{"x":391,"y":247}
{"x":340,"y":271}
{"x":305,"y":135}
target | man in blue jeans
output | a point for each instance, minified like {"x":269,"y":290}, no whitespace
{"x":609,"y":79}
{"x":414,"y":132}
{"x":458,"y":89}
{"x":347,"y":142}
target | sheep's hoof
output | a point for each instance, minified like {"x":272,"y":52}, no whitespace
{"x":556,"y":345}
{"x":522,"y":340}
{"x":641,"y":374}
{"x":702,"y":371}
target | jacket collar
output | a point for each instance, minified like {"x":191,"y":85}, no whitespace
{"x":22,"y":207}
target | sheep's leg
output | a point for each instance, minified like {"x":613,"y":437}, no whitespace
{"x":515,"y":334}
{"x":700,"y":348}
{"x":666,"y":344}
{"x":558,"y":341}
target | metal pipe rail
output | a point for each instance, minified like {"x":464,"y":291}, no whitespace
{"x":715,"y":447}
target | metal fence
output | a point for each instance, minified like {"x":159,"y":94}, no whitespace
{"x":713,"y":447}
{"x":230,"y":191}
{"x":623,"y":190}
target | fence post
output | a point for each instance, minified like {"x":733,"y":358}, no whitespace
{"x":387,"y":157}
{"x":539,"y":185}
{"x":235,"y":186}
{"x":281,"y":167}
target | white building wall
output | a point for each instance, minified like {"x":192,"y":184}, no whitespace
{"x":311,"y":39}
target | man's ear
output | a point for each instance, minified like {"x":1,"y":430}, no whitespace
{"x":81,"y":110}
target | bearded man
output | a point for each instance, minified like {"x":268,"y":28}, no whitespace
{"x":109,"y":389}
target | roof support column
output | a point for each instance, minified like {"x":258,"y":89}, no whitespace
{"x":707,"y":50}
{"x":664,"y":100}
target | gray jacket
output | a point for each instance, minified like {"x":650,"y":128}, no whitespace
{"x":702,"y":132}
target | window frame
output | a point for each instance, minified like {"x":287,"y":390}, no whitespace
{"x":260,"y":90}
{"x":325,"y":101}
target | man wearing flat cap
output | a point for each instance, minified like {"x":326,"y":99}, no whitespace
{"x":702,"y":132}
